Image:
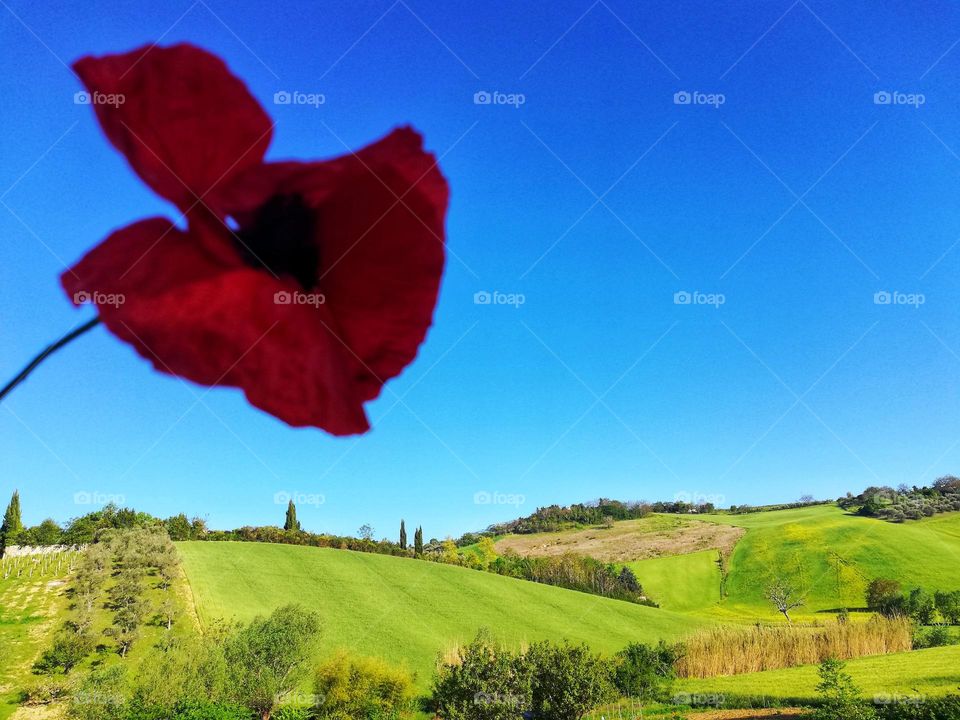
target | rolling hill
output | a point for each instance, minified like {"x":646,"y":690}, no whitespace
{"x":829,"y":552}
{"x":408,"y":610}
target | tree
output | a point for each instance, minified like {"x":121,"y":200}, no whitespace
{"x":784,"y":596}
{"x":567,"y":681}
{"x":884,"y":596}
{"x":268,"y":656}
{"x":645,"y":671}
{"x":403,"y":535}
{"x":840,"y":698}
{"x":291,"y":522}
{"x":948,"y":603}
{"x":418,"y":542}
{"x":12,"y":523}
{"x":921,"y":606}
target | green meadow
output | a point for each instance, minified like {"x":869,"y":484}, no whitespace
{"x":408,"y":610}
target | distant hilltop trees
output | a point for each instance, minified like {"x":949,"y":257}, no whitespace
{"x":906,"y":503}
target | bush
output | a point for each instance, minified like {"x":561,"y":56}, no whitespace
{"x":357,"y":687}
{"x":484,"y":682}
{"x":840,"y":697}
{"x":67,"y":651}
{"x":645,"y":671}
{"x":567,"y":681}
{"x":936,"y":636}
{"x":943,"y":708}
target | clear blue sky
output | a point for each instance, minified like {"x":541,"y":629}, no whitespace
{"x":797,"y":199}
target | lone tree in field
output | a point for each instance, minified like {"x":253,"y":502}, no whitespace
{"x":784,"y":596}
{"x":12,"y":523}
{"x":366,"y":532}
{"x":418,"y":542}
{"x":291,"y":523}
{"x":403,"y":536}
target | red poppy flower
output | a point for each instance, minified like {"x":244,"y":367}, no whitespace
{"x":306,"y":284}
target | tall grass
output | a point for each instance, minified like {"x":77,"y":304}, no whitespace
{"x":732,"y":651}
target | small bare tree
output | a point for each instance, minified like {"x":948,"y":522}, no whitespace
{"x":784,"y":595}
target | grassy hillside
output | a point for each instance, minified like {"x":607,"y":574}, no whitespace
{"x":685,"y":583}
{"x":824,"y":549}
{"x":30,"y":608}
{"x":656,"y":535}
{"x":922,"y":672}
{"x":835,"y":554}
{"x":407,"y":610}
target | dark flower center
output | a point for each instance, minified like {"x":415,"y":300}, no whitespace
{"x":281,"y":240}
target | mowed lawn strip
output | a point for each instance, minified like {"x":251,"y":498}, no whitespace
{"x":405,"y":610}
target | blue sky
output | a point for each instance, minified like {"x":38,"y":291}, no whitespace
{"x":782,"y":198}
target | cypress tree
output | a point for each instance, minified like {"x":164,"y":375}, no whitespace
{"x":418,"y":542}
{"x":291,"y":523}
{"x":403,"y":535}
{"x":12,"y":523}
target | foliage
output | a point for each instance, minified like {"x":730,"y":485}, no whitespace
{"x":66,"y":652}
{"x":574,"y":572}
{"x":923,"y":708}
{"x":906,"y":503}
{"x":350,"y":687}
{"x":567,"y":681}
{"x":646,"y":671}
{"x":267,"y":656}
{"x":12,"y":524}
{"x":291,"y":523}
{"x":840,"y":698}
{"x":484,"y":682}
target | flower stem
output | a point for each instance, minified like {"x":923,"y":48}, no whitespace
{"x":45,"y":353}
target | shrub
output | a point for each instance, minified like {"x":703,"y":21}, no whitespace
{"x":645,"y":671}
{"x":840,"y":697}
{"x":484,"y":682}
{"x":67,"y":651}
{"x":567,"y":681}
{"x":936,"y":636}
{"x":943,"y":708}
{"x":100,"y":696}
{"x":358,"y":687}
{"x":267,"y":656}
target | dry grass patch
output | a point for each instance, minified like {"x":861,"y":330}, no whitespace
{"x":733,"y":650}
{"x":649,"y":537}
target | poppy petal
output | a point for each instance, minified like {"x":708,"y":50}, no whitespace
{"x":183,"y":121}
{"x":216,"y":325}
{"x":381,"y":238}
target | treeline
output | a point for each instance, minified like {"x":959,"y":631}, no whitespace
{"x":574,"y":572}
{"x":906,"y":503}
{"x":605,"y":512}
{"x":87,"y":528}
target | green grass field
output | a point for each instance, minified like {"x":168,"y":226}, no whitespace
{"x":835,"y":555}
{"x":685,"y":583}
{"x":408,"y":610}
{"x":30,"y":608}
{"x":922,"y":672}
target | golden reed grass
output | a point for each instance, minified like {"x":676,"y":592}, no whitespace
{"x":731,"y":650}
